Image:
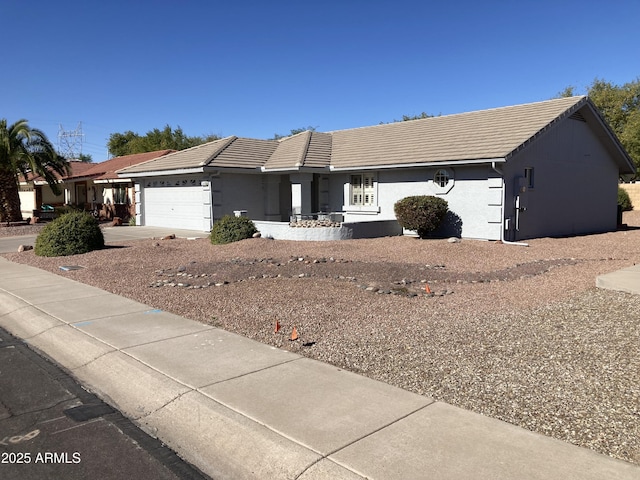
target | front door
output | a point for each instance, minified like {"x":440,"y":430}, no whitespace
{"x":38,"y":190}
{"x":81,"y":194}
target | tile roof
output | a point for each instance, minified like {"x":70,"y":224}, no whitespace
{"x":319,"y":151}
{"x":189,"y":158}
{"x":480,"y":135}
{"x":305,"y":149}
{"x":289,"y":152}
{"x":483,"y":134}
{"x":107,"y":170}
{"x":244,"y":153}
{"x":78,"y":169}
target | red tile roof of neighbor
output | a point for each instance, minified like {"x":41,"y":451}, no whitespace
{"x":78,"y":169}
{"x":103,"y":170}
{"x":106,"y":170}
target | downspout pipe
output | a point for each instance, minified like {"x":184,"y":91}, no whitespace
{"x":502,"y":239}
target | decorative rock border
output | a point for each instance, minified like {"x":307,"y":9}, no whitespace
{"x":425,"y":287}
{"x":314,"y":224}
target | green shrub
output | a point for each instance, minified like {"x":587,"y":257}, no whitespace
{"x":422,"y":213}
{"x":69,"y":234}
{"x":232,"y":229}
{"x":623,"y":200}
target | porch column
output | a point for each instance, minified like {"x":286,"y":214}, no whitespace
{"x":138,"y":200}
{"x":301,"y":193}
{"x":207,"y":206}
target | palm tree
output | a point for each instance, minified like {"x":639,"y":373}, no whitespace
{"x":25,"y":150}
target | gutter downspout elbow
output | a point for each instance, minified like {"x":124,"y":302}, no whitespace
{"x":495,"y":168}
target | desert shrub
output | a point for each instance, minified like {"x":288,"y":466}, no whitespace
{"x":232,"y":229}
{"x":422,"y":213}
{"x":623,"y":200}
{"x":69,"y":234}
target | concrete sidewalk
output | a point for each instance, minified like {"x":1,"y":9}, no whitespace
{"x":236,"y":408}
{"x":625,"y":280}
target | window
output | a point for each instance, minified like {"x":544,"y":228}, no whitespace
{"x":362,"y":189}
{"x":528,"y":177}
{"x":119,"y":195}
{"x":441,"y":178}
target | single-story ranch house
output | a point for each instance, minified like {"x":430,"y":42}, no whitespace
{"x":541,"y":169}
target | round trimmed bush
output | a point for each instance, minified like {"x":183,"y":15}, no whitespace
{"x":232,"y":229}
{"x":422,"y":213}
{"x":70,"y":234}
{"x":623,"y":200}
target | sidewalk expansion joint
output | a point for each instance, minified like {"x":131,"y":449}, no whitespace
{"x":326,"y":457}
{"x":246,"y":374}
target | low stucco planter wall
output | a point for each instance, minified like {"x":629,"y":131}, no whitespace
{"x":346,"y":231}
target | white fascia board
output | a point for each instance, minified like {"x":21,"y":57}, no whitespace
{"x":281,"y":169}
{"x":44,"y":182}
{"x":294,"y":169}
{"x":452,"y":163}
{"x":218,"y":170}
{"x":161,"y":173}
{"x":113,"y":180}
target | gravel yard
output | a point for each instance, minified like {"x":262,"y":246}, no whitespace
{"x":516,"y":333}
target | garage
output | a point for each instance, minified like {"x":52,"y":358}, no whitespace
{"x":180,"y":203}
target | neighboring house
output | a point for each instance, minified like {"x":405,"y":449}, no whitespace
{"x":35,"y":191}
{"x":541,"y":169}
{"x":100,"y":189}
{"x":90,"y":186}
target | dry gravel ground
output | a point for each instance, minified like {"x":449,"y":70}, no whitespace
{"x":520,"y":334}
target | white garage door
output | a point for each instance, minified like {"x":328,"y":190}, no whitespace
{"x":175,"y":207}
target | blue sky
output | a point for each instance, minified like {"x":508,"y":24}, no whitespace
{"x":256,"y":68}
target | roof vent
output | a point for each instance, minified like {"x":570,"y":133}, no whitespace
{"x":577,"y":116}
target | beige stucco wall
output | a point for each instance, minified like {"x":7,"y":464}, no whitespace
{"x":633,"y":189}
{"x":27,"y":200}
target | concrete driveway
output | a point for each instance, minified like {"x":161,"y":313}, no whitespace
{"x":111,"y":235}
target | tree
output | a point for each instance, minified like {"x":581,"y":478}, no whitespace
{"x":294,"y":131}
{"x":85,"y":157}
{"x":128,"y":143}
{"x":120,"y":144}
{"x":25,"y":150}
{"x":620,"y":106}
{"x":406,"y":118}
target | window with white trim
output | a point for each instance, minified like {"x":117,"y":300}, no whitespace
{"x":362,"y":189}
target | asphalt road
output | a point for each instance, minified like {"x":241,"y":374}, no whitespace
{"x":50,"y":427}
